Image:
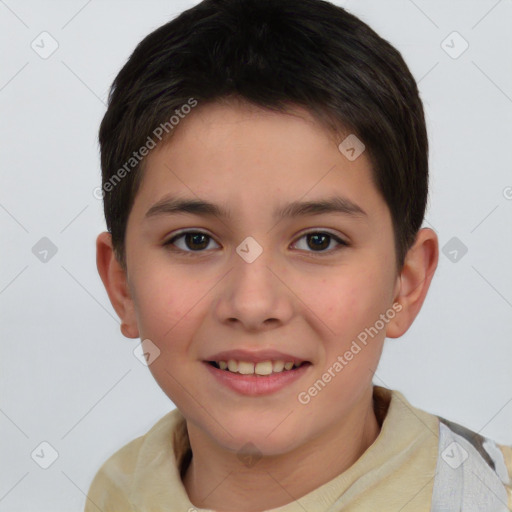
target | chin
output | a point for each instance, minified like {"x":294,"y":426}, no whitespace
{"x":261,"y":437}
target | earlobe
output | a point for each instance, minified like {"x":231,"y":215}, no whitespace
{"x":414,"y":281}
{"x":115,"y":281}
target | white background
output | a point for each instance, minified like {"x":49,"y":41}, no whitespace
{"x":69,"y":377}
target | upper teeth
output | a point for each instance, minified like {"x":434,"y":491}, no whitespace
{"x":261,"y":368}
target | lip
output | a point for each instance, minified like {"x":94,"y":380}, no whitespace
{"x":256,"y":356}
{"x":254,"y":385}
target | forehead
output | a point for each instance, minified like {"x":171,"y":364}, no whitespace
{"x":247,"y":157}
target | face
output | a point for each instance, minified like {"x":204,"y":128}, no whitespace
{"x":253,"y":280}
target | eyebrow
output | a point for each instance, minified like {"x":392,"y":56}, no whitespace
{"x":337,"y":204}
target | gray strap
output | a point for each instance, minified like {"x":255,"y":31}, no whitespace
{"x":465,"y":481}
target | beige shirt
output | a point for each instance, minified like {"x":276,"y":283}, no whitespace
{"x":396,"y":473}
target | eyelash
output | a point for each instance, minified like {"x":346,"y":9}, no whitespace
{"x":170,"y":242}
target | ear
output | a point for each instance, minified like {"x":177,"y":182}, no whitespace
{"x":414,"y":281}
{"x":115,"y":281}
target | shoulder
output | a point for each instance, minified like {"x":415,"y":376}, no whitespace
{"x":112,"y":482}
{"x":471,"y":467}
{"x":111,"y":487}
{"x":469,"y":471}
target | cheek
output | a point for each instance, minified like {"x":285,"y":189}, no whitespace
{"x":164,"y":303}
{"x":354,"y":303}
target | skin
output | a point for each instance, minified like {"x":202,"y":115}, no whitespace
{"x":292,"y":298}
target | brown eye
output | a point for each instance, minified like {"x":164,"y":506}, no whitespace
{"x":196,"y":240}
{"x":190,"y":241}
{"x":319,"y":241}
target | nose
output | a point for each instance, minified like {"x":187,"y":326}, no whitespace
{"x":254,"y":295}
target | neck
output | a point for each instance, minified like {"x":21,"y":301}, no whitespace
{"x":215,"y":480}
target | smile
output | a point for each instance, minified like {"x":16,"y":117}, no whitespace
{"x":261,"y":368}
{"x":256,"y":379}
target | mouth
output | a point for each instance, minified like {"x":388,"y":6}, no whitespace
{"x":254,"y":379}
{"x":259,"y":369}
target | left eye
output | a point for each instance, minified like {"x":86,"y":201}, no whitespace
{"x":320,"y":240}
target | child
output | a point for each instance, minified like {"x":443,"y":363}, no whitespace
{"x":287,"y":140}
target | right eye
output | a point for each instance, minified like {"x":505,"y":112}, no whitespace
{"x":189,"y":242}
